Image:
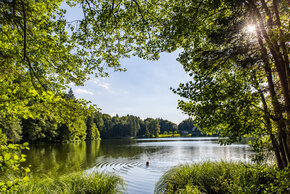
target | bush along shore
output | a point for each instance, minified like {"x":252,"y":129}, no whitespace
{"x":75,"y":183}
{"x":224,"y":177}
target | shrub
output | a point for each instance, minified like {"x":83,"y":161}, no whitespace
{"x":224,"y":177}
{"x":74,"y":183}
{"x":11,"y":174}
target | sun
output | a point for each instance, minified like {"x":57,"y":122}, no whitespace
{"x":251,"y":28}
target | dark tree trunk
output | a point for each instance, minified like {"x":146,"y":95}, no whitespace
{"x":265,"y":33}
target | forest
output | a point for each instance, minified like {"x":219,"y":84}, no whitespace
{"x":95,"y":126}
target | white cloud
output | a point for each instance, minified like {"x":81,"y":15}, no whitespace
{"x":102,"y":84}
{"x":83,"y":91}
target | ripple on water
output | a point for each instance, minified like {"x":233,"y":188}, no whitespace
{"x":136,"y":174}
{"x":115,"y":165}
{"x":140,"y":178}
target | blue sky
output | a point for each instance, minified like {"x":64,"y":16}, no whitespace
{"x":143,"y":90}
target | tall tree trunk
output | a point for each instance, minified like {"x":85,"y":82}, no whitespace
{"x":287,"y":68}
{"x":280,"y":67}
{"x":278,"y":117}
{"x":277,"y":149}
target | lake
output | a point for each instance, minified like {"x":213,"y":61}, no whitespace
{"x":128,"y":157}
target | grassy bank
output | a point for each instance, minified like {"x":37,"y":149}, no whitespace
{"x":74,"y":183}
{"x":224,"y":177}
{"x":169,"y":135}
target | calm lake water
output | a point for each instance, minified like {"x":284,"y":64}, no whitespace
{"x":128,"y":158}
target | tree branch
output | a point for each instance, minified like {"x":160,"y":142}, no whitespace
{"x":25,"y":57}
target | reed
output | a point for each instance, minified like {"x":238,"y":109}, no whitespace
{"x":224,"y":177}
{"x":74,"y":183}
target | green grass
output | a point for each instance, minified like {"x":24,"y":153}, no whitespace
{"x":74,"y":183}
{"x":224,"y":177}
{"x":169,"y":135}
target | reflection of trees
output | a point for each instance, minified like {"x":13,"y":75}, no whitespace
{"x":93,"y":148}
{"x":56,"y":159}
{"x":119,"y":148}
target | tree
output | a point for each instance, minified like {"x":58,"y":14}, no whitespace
{"x":98,"y":119}
{"x":10,"y":165}
{"x":11,"y":128}
{"x":186,"y":125}
{"x":39,"y":58}
{"x":143,"y":132}
{"x":134,"y":125}
{"x":108,"y":125}
{"x":117,"y":127}
{"x":36,"y":69}
{"x":71,"y":94}
{"x":166,"y":125}
{"x":73,"y":131}
{"x":240,"y":77}
{"x":153,"y":126}
{"x":39,"y":130}
{"x":92,"y":132}
{"x":224,"y":58}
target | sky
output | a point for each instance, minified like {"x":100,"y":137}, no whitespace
{"x":143,"y":90}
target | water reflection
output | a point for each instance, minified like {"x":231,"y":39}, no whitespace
{"x":128,"y":157}
{"x":56,"y":159}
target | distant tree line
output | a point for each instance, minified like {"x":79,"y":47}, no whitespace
{"x":126,"y":126}
{"x":187,"y":127}
{"x":96,"y":125}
